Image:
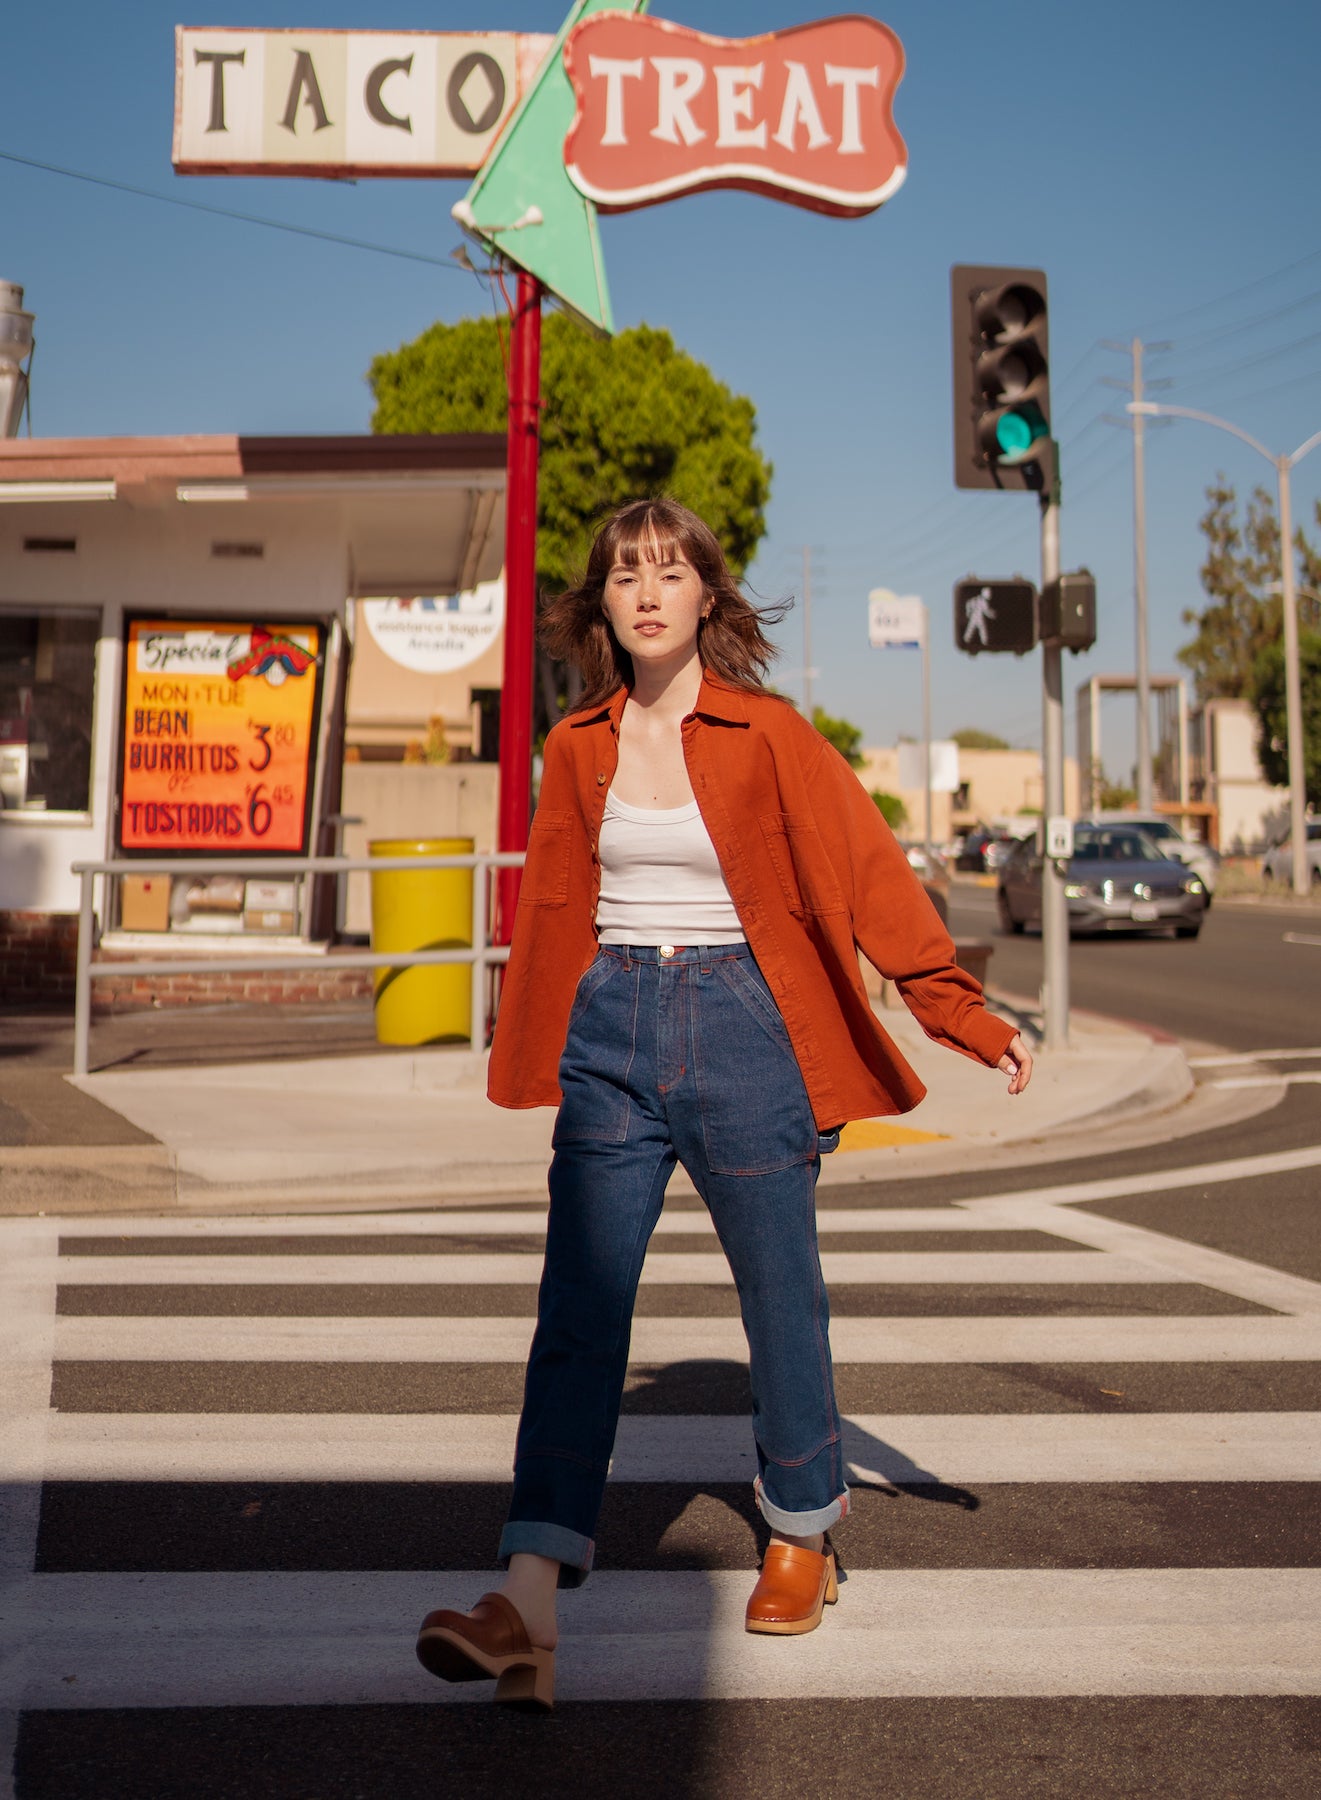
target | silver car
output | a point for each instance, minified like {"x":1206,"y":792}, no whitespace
{"x":1117,"y":880}
{"x":1277,"y":864}
{"x":1170,"y":841}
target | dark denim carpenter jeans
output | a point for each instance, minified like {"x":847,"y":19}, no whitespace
{"x":676,"y":1058}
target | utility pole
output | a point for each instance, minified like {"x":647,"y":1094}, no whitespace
{"x":1142,"y":667}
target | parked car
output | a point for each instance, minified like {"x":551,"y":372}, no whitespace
{"x":1118,"y":880}
{"x":984,"y":848}
{"x":1171,"y":842}
{"x":1277,"y":864}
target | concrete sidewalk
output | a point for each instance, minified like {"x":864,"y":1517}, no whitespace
{"x":414,"y":1128}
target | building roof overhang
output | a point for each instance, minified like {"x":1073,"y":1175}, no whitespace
{"x":418,"y":509}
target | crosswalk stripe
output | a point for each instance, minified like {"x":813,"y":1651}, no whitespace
{"x":948,"y":1447}
{"x":493,"y":1223}
{"x":343,"y":1638}
{"x":660,"y":1269}
{"x":892,"y":1340}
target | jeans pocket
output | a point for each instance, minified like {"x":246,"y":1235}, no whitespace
{"x":755,"y":1113}
{"x":598,"y":1054}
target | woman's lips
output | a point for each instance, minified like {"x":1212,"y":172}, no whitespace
{"x":652,"y":628}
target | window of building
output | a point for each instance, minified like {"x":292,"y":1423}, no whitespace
{"x":47,"y":677}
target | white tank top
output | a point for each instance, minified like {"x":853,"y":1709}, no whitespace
{"x":660,"y":879}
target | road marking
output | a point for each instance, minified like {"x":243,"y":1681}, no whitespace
{"x":1251,"y":1056}
{"x":661,"y":1269}
{"x":1258,"y":1081}
{"x":451,"y":1223}
{"x":950,"y":1447}
{"x":505,"y":1340}
{"x":135,"y":1641}
{"x":1301,"y":937}
{"x":1178,"y":1258}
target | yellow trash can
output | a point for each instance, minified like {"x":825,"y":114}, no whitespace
{"x":422,"y":909}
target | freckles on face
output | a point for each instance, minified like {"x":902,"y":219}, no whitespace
{"x":654,"y":608}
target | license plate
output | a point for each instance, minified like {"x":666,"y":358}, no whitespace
{"x":1144,"y":912}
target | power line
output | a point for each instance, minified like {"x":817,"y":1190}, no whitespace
{"x":1247,"y":362}
{"x":224,"y":212}
{"x":1201,"y":339}
{"x":1247,"y":288}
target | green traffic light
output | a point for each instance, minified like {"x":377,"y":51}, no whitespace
{"x":1017,"y":431}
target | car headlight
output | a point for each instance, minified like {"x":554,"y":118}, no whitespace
{"x":1192,"y":886}
{"x":1080,"y":890}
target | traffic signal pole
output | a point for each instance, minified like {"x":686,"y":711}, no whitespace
{"x":1054,"y":904}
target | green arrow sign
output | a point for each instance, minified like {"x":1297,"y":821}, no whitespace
{"x":526,"y":172}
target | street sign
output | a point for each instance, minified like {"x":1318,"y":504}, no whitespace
{"x":802,"y":115}
{"x":995,"y":615}
{"x":895,"y":623}
{"x":349,"y":103}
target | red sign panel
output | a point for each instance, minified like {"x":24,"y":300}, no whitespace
{"x":802,"y":115}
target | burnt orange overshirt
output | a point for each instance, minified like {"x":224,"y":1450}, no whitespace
{"x":814,"y":872}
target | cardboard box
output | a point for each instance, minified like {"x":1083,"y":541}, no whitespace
{"x":269,"y":919}
{"x":270,"y":896}
{"x":144,"y":902}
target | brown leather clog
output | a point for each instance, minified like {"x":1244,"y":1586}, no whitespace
{"x":791,"y":1590}
{"x":488,"y":1644}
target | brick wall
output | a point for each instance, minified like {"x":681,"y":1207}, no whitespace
{"x":38,"y":953}
{"x":281,"y":987}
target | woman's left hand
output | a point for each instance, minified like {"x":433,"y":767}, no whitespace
{"x":1017,"y":1064}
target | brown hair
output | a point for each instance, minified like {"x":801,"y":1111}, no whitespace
{"x":731,"y":641}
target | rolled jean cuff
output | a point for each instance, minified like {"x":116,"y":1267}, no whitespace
{"x":800,"y":1524}
{"x":573,"y":1552}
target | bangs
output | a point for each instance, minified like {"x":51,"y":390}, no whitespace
{"x":645,"y":534}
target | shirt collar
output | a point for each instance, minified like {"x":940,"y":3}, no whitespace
{"x":715,"y":700}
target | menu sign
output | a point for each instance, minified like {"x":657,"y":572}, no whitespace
{"x":219,"y":732}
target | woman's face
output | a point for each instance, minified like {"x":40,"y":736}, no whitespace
{"x":655,"y":608}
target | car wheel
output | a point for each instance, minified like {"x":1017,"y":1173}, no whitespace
{"x":1009,"y":925}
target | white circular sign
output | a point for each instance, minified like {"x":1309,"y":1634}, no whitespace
{"x":434,"y":633}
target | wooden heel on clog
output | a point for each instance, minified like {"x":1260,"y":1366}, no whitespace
{"x":530,"y":1685}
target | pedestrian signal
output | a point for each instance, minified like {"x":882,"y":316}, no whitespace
{"x":1001,"y":379}
{"x":1068,"y":611}
{"x":995,"y":615}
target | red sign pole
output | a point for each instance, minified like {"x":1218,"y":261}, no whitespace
{"x":520,"y":594}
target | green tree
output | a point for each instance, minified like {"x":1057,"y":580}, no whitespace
{"x":622,"y":417}
{"x":1272,"y":728}
{"x":1241,"y":574}
{"x":970,"y":738}
{"x":846,"y":738}
{"x":892,"y":809}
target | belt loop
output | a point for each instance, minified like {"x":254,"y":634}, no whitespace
{"x":706,"y":959}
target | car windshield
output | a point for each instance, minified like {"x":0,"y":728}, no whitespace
{"x":1100,"y":845}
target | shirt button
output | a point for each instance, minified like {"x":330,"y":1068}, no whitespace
{"x":600,"y":779}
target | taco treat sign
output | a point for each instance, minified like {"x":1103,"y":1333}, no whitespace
{"x":802,"y":115}
{"x":219,"y":730}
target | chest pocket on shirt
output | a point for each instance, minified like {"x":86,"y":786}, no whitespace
{"x":801,"y":863}
{"x":546,"y":872}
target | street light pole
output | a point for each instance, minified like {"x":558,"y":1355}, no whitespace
{"x":1293,"y":684}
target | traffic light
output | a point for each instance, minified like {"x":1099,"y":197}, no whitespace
{"x":995,"y":615}
{"x":1001,"y":379}
{"x":1068,"y":611}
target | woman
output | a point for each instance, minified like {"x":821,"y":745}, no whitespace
{"x":683,"y":985}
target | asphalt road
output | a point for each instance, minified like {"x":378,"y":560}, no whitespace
{"x":1083,"y":1550}
{"x":1250,"y":981}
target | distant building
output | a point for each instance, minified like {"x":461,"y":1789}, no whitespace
{"x":1226,"y":773}
{"x":994,"y":787}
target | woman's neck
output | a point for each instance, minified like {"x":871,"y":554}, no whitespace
{"x":666,"y":694}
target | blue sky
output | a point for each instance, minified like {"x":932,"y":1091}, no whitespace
{"x":1159,"y":161}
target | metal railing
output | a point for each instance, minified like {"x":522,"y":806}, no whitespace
{"x":481,"y":954}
